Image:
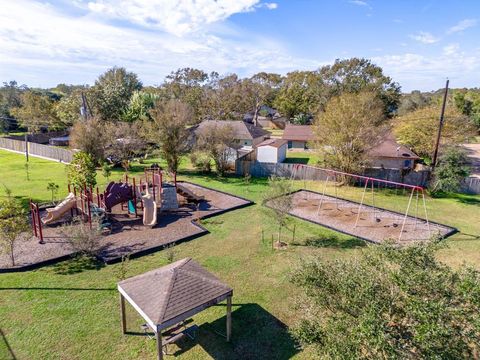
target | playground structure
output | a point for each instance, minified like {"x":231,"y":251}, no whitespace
{"x":360,"y":206}
{"x":143,"y":197}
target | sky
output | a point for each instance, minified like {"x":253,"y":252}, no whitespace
{"x":419,"y":43}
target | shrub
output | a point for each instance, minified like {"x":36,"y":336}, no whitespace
{"x":389,"y":302}
{"x":82,"y":238}
{"x":81,"y":171}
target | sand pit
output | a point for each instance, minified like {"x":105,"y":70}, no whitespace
{"x":374,"y":224}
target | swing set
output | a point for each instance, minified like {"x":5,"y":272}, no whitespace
{"x":374,"y":215}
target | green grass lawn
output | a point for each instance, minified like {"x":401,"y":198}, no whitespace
{"x":70,"y":310}
{"x":303,"y":157}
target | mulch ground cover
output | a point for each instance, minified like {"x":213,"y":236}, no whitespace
{"x":129,"y":236}
{"x":374,"y":224}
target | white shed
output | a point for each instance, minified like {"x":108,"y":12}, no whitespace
{"x":272,"y":151}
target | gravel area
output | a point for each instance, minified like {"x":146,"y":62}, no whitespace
{"x":374,"y":224}
{"x":129,"y":236}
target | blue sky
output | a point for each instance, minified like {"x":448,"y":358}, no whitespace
{"x":418,"y":43}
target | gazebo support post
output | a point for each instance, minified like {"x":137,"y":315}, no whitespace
{"x":158,"y":336}
{"x":122,"y":312}
{"x":229,"y":318}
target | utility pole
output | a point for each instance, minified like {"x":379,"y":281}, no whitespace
{"x":440,"y":126}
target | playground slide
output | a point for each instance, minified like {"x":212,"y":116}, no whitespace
{"x":149,"y":210}
{"x":58,"y":211}
{"x":188,"y":194}
{"x":117,"y":193}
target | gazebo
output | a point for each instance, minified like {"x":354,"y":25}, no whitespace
{"x":171,"y":294}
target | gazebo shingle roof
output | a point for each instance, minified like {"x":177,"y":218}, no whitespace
{"x":172,"y":290}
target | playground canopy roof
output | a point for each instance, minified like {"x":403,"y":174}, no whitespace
{"x":173,"y":293}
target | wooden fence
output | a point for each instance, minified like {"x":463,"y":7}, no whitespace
{"x":471,"y":185}
{"x":37,"y":150}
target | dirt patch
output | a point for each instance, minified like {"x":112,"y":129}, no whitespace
{"x":374,"y":224}
{"x":129,"y":235}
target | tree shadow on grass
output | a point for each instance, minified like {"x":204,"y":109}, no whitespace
{"x":256,"y":334}
{"x":6,"y":352}
{"x":461,"y":198}
{"x":78,"y":264}
{"x":333,"y":241}
{"x":296,"y":160}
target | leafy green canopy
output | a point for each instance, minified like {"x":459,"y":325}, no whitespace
{"x":452,"y":168}
{"x":390,"y":303}
{"x":81,"y":171}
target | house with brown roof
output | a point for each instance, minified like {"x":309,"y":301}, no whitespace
{"x":298,"y":136}
{"x":247,"y":135}
{"x":389,"y":154}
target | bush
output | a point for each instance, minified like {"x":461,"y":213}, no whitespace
{"x":201,"y":161}
{"x":83,"y":239}
{"x":450,"y":171}
{"x":389,"y":302}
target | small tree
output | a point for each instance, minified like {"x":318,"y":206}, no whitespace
{"x":106,"y":170}
{"x":218,"y":141}
{"x":81,"y":171}
{"x":350,"y":125}
{"x":279,"y":201}
{"x":169,"y":130}
{"x":450,"y":171}
{"x":389,"y":303}
{"x":14,"y":225}
{"x":53,"y":188}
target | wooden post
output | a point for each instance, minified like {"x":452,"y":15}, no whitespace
{"x":122,"y":313}
{"x":39,"y":224}
{"x":158,"y":335}
{"x":229,"y":318}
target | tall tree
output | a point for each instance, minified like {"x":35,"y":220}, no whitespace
{"x":36,"y":111}
{"x":169,"y":130}
{"x":68,"y":108}
{"x":418,"y":129}
{"x":260,"y":90}
{"x":90,"y":137}
{"x":355,"y":75}
{"x":188,"y":86}
{"x":348,"y":127}
{"x":301,"y":92}
{"x":226,"y":98}
{"x":112,"y":91}
{"x":140,"y":104}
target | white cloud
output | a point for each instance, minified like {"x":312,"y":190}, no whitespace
{"x":271,"y":6}
{"x":462,"y":25}
{"x":178,"y":17}
{"x":425,"y":37}
{"x":421,"y":72}
{"x":77,"y":48}
{"x":451,"y":49}
{"x":359,"y":2}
